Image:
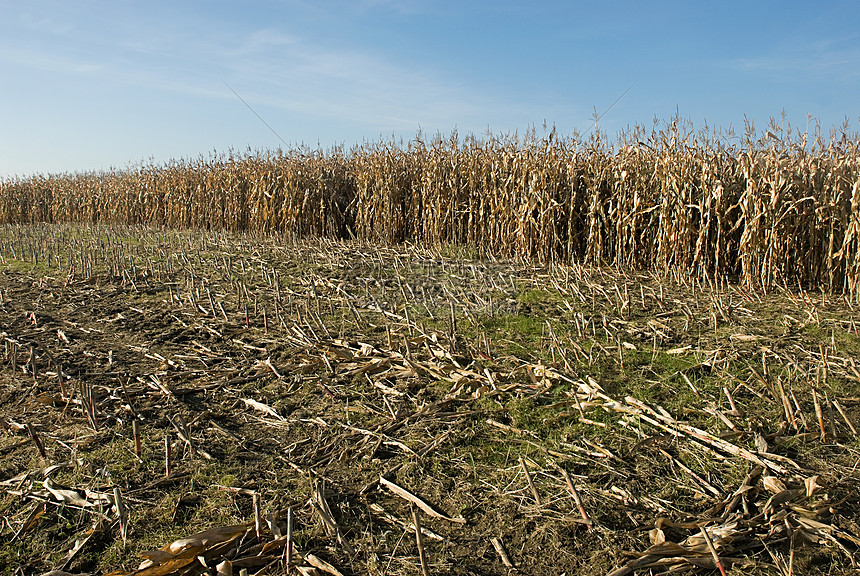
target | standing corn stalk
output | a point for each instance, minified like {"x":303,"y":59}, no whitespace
{"x":774,"y":211}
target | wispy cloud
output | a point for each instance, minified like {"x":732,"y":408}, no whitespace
{"x":307,"y":81}
{"x":837,"y":59}
{"x":354,"y":85}
{"x":365,"y":85}
{"x":297,"y":73}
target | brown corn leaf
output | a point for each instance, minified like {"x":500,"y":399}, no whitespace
{"x":424,"y":506}
{"x":66,"y":495}
{"x":224,"y":568}
{"x":206,"y":539}
{"x":164,"y":569}
{"x":265,"y":408}
{"x":322,"y":565}
{"x":773,"y":484}
{"x":656,"y":536}
{"x":810,"y":484}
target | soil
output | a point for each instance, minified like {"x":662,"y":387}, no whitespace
{"x":350,"y":386}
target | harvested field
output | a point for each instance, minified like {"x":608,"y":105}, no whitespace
{"x":208,"y":401}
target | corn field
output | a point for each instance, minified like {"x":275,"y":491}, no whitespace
{"x":769,"y":211}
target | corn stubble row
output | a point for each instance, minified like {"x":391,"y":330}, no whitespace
{"x":769,"y":211}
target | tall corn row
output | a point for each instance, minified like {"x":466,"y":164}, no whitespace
{"x":383,"y":181}
{"x":844,"y":264}
{"x":596,"y":166}
{"x":676,"y":189}
{"x":436,"y":197}
{"x":839,"y":222}
{"x":774,"y":211}
{"x":635,"y":190}
{"x":716,"y":238}
{"x":535,"y":236}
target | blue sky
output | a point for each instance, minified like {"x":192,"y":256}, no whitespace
{"x":88,"y":85}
